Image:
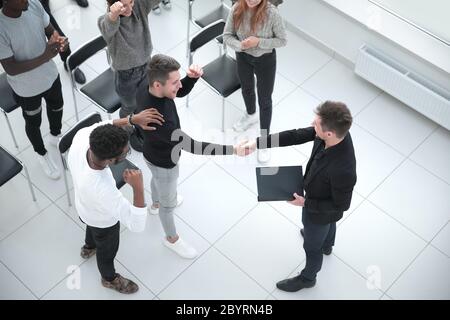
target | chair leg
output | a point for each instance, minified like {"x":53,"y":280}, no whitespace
{"x":10,"y":130}
{"x":190,"y":3}
{"x":65,"y":180}
{"x":223,"y":114}
{"x":29,"y":183}
{"x":187,"y":101}
{"x":74,"y":97}
{"x":109,"y":116}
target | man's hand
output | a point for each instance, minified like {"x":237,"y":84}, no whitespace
{"x":250,"y":42}
{"x":144,"y":118}
{"x":134,"y":178}
{"x":244,"y":148}
{"x":116,"y":10}
{"x":52,"y":47}
{"x":299,"y":201}
{"x":194,"y":71}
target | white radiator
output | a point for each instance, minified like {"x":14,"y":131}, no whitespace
{"x":420,"y":94}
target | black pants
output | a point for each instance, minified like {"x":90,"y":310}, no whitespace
{"x":316,"y":237}
{"x":64,"y":55}
{"x":264,"y":67}
{"x":106,"y":241}
{"x":32,"y":113}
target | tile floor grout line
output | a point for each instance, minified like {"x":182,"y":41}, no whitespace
{"x":18,"y":279}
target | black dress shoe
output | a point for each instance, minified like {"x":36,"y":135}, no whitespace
{"x":79,"y":76}
{"x":325,"y":251}
{"x":295,"y":284}
{"x":82,"y":3}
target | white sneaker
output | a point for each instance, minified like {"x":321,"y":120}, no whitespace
{"x":49,"y":167}
{"x":166,"y":4}
{"x":156,"y":10}
{"x":155,"y":210}
{"x":263,"y":155}
{"x":181,"y":248}
{"x":54,"y":139}
{"x":245,"y":122}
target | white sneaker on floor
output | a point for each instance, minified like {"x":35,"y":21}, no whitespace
{"x":263,"y":155}
{"x":155,"y":210}
{"x":49,"y":167}
{"x":156,"y":10}
{"x":245,"y":122}
{"x":54,"y":139}
{"x":181,"y":248}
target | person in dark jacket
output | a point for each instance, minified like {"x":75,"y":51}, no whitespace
{"x":329,"y":179}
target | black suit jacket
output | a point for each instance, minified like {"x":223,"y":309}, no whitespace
{"x":329,"y":186}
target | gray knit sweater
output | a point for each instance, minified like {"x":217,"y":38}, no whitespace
{"x":128,"y":38}
{"x":272,"y":33}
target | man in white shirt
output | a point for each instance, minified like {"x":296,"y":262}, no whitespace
{"x":99,"y":203}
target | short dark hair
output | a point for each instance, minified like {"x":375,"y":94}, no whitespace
{"x":159,"y":67}
{"x":108,"y":141}
{"x":335,"y":116}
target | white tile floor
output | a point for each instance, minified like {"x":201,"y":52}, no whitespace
{"x":392,"y":244}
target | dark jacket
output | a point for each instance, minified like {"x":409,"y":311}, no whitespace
{"x":329,"y":185}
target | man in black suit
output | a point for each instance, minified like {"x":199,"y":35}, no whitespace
{"x":329,"y":179}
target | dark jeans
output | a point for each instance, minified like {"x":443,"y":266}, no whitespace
{"x":106,"y":241}
{"x":316,"y":237}
{"x":32,"y":113}
{"x":127,"y":82}
{"x":64,"y":55}
{"x":264,"y":67}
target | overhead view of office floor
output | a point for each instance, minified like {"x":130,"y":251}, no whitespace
{"x":393,"y":242}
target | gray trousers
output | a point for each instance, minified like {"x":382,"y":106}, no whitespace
{"x":164,"y":192}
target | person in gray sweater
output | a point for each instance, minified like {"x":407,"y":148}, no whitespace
{"x":126,"y":32}
{"x":254,"y":29}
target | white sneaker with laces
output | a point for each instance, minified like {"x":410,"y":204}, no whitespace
{"x":245,"y":122}
{"x":155,"y":210}
{"x":181,"y":248}
{"x":54,"y":139}
{"x":263,"y":155}
{"x":156,"y":10}
{"x":49,"y":167}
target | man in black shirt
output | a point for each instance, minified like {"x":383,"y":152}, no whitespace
{"x":162,"y":147}
{"x":329,"y":179}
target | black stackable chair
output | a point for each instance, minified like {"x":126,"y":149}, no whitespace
{"x":7,"y":103}
{"x":101,"y":90}
{"x":220,"y":74}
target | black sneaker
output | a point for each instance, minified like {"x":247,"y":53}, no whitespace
{"x":79,"y":76}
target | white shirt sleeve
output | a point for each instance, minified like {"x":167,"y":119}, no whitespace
{"x":113,"y":201}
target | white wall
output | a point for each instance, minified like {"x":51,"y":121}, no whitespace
{"x":344,"y":35}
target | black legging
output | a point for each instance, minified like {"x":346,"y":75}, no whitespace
{"x":45,"y":4}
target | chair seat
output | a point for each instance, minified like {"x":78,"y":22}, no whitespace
{"x":221,"y":74}
{"x":102,"y":91}
{"x":220,"y":12}
{"x":7,"y":102}
{"x":118,"y":169}
{"x":9,"y":166}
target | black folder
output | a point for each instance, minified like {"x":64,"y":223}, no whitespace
{"x":279,"y":183}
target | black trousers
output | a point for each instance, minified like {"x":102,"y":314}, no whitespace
{"x":32,"y":113}
{"x":106,"y":241}
{"x":64,"y":55}
{"x":316,"y":237}
{"x":264,"y":67}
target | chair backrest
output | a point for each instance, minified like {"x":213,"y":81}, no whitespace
{"x":84,"y":52}
{"x":7,"y":101}
{"x":206,"y":34}
{"x":66,"y":140}
{"x":9,"y":166}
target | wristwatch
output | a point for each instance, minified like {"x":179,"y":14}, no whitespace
{"x":129,"y":119}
